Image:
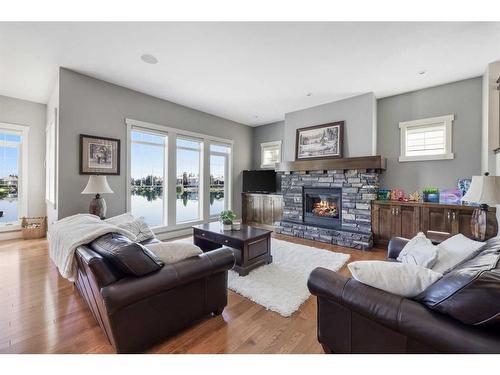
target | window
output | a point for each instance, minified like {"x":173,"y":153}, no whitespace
{"x":188,"y":179}
{"x":147,"y":176}
{"x":219,"y":170}
{"x":176,"y":178}
{"x":13,"y":176}
{"x":270,"y":154}
{"x":427,"y":139}
{"x":50,"y":162}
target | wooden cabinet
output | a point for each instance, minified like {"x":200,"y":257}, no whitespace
{"x":264,"y":209}
{"x":394,"y":220}
{"x":405,"y":219}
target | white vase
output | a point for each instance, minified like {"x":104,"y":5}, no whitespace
{"x":226,"y":226}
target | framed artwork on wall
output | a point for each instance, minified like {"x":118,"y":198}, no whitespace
{"x":320,"y":142}
{"x":99,"y":155}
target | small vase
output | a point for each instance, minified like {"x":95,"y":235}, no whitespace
{"x":226,"y":226}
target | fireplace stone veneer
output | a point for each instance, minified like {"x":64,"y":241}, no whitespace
{"x":359,"y":187}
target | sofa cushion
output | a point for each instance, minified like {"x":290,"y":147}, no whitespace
{"x":407,"y":280}
{"x":128,"y":257}
{"x":454,"y":251}
{"x":139,"y":228}
{"x":419,"y":251}
{"x":470,"y":293}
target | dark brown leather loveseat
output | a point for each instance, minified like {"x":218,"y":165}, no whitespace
{"x":137,"y":312}
{"x":356,"y":318}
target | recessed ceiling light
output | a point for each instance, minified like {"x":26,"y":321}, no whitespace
{"x":309,"y":94}
{"x":149,"y":59}
{"x":422,"y":72}
{"x":256,"y":116}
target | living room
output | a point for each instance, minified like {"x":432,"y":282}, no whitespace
{"x":259,"y":187}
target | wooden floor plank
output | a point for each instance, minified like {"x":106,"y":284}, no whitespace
{"x":40,"y":312}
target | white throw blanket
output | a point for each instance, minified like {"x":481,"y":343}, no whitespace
{"x":67,"y":234}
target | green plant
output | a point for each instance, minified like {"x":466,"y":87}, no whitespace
{"x":227,"y":217}
{"x":431,"y":191}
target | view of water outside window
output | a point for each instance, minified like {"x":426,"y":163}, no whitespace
{"x":188,"y":180}
{"x":147,"y":176}
{"x":219,"y":164}
{"x":9,"y":172}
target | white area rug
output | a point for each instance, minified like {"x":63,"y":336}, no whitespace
{"x":282,"y":285}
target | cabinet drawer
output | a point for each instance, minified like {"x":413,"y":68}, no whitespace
{"x":258,"y":248}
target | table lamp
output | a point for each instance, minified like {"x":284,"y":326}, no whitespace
{"x":484,"y":190}
{"x":97,"y":185}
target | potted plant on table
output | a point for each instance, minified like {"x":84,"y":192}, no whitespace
{"x":227,"y":217}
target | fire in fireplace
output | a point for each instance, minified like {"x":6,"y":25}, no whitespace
{"x":323,"y":206}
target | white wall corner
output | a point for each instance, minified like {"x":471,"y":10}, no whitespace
{"x":374,"y":125}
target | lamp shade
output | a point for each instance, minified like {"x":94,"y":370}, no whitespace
{"x":97,"y":185}
{"x":484,"y":190}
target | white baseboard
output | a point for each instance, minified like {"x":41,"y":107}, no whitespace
{"x":10,"y":235}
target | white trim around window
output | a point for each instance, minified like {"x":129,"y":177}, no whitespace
{"x":423,"y":146}
{"x":171,"y":133}
{"x":270,"y":146}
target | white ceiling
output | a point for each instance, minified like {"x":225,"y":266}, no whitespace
{"x":252,"y":73}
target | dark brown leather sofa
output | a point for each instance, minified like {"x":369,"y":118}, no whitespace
{"x":356,"y":318}
{"x":137,"y":312}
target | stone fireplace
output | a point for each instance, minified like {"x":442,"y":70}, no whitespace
{"x":332,"y":206}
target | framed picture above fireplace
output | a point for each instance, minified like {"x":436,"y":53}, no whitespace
{"x":320,"y":142}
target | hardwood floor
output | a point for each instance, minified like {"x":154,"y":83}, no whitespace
{"x":40,"y":312}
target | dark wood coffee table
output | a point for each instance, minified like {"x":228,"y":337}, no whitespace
{"x":251,"y":246}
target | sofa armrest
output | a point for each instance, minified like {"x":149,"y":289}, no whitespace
{"x":132,"y":289}
{"x":370,"y":302}
{"x":395,"y":246}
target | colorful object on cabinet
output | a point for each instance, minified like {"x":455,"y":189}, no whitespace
{"x":397,"y":194}
{"x":431,"y":195}
{"x":464,"y":185}
{"x":415,"y":197}
{"x":450,"y":196}
{"x":384,"y":194}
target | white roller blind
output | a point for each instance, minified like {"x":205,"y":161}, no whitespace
{"x":426,"y":140}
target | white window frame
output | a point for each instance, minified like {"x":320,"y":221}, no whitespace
{"x":446,"y":120}
{"x":265,"y":145}
{"x":23,"y":184}
{"x":51,"y":132}
{"x":171,"y":172}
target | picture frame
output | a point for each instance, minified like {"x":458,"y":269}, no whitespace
{"x":99,"y":155}
{"x":324,"y":141}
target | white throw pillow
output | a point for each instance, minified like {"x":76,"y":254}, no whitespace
{"x":139,"y":228}
{"x":454,"y":251}
{"x":419,"y":251}
{"x":121,"y":219}
{"x":173,"y":252}
{"x":407,"y":280}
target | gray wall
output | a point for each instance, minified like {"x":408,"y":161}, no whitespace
{"x":359,"y":114}
{"x":463,"y":99}
{"x":91,"y":106}
{"x":265,"y":133}
{"x":23,"y":112}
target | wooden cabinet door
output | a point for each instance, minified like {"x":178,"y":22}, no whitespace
{"x":267,"y":210}
{"x":382,"y":222}
{"x":277,"y":208}
{"x":409,"y":217}
{"x":257,"y":209}
{"x":436,"y":219}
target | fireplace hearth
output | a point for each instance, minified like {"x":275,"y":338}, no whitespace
{"x":323,"y":207}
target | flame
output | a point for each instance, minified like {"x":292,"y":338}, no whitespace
{"x":325,"y":208}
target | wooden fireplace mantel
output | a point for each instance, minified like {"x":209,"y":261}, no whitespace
{"x":362,"y":162}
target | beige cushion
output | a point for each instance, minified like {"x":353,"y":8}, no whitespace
{"x":419,"y":251}
{"x":121,"y":219}
{"x":454,"y":251}
{"x":173,"y":252}
{"x":407,"y":280}
{"x":139,"y":228}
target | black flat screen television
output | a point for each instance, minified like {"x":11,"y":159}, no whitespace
{"x":259,"y":181}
